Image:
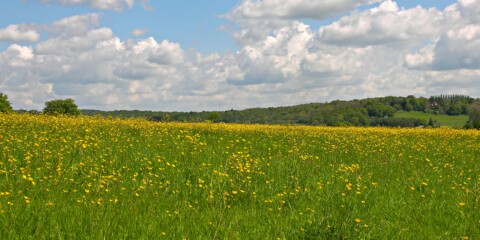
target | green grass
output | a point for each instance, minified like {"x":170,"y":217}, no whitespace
{"x":444,"y":120}
{"x":88,"y":178}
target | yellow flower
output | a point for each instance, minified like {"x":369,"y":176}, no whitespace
{"x":461,"y":204}
{"x":358,"y":220}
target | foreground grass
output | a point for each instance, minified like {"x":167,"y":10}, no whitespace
{"x":444,"y":120}
{"x":132,"y":179}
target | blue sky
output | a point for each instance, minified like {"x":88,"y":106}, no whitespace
{"x":216,"y":55}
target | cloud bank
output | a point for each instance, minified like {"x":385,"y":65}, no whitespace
{"x":18,"y":33}
{"x":382,"y":49}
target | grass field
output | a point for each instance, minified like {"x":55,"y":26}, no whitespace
{"x":95,"y":178}
{"x":444,"y":120}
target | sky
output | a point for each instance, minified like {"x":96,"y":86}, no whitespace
{"x":211,"y":55}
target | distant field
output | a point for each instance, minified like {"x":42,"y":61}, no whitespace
{"x":444,"y":120}
{"x":105,"y":178}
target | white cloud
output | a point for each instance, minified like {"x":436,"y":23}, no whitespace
{"x":457,"y":49}
{"x":75,"y":25}
{"x":163,"y":53}
{"x":115,"y":5}
{"x":139,"y":32}
{"x":18,"y":33}
{"x":257,"y":19}
{"x":275,"y":59}
{"x":294,"y":9}
{"x":17,"y":56}
{"x":386,"y":24}
{"x":470,"y":9}
{"x":74,"y":44}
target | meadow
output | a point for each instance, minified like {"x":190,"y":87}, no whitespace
{"x":105,"y":178}
{"x":458,"y":121}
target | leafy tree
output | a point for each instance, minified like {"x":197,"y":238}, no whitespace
{"x":450,"y":104}
{"x":474,"y":116}
{"x":23,"y":111}
{"x":408,"y":107}
{"x":5,"y":106}
{"x":61,"y":107}
{"x":213,"y":117}
{"x":378,"y":109}
{"x":433,"y":123}
{"x":454,"y":109}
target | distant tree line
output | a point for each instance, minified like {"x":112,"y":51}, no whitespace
{"x":450,"y":104}
{"x":365,"y":112}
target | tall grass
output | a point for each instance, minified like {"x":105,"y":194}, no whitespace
{"x":96,"y":178}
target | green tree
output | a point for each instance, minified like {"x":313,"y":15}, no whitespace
{"x":454,"y":109}
{"x":474,"y":116}
{"x":61,"y":107}
{"x":213,"y":117}
{"x":378,"y":109}
{"x":5,"y":106}
{"x":408,"y":107}
{"x":433,"y":123}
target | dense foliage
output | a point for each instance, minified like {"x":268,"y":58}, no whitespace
{"x":474,"y":116}
{"x":365,"y":112}
{"x":103,"y":178}
{"x":5,"y":106}
{"x":61,"y":107}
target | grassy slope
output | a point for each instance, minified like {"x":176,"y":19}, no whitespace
{"x":444,"y":120}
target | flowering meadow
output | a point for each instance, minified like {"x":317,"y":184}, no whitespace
{"x":105,"y":178}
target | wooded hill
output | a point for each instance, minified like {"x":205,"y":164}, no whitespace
{"x":366,"y":112}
